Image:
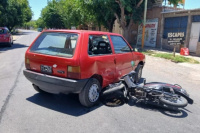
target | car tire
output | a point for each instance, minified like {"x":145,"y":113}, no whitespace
{"x":10,"y":44}
{"x":138,"y":74}
{"x":90,"y":94}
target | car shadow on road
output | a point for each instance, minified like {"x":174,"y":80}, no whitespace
{"x":67,"y":104}
{"x":4,"y":47}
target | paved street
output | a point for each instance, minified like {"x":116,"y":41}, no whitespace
{"x":23,"y":110}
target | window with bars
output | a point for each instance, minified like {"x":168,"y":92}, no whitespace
{"x":175,"y":24}
{"x":196,"y":18}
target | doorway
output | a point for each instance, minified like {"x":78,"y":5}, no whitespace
{"x":194,"y":37}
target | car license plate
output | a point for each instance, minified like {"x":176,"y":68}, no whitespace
{"x":46,"y":69}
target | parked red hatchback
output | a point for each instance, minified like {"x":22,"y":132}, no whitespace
{"x":5,"y":36}
{"x":82,"y":62}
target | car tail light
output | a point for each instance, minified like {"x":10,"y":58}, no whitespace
{"x":74,"y":72}
{"x":27,"y":63}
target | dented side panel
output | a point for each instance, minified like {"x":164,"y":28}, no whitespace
{"x":103,"y":65}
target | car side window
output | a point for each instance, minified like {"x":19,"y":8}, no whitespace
{"x":120,"y":45}
{"x":98,"y":45}
{"x":1,"y":31}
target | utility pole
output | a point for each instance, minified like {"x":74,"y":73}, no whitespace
{"x":144,"y":23}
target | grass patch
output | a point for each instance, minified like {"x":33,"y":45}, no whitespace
{"x":149,"y":52}
{"x":177,"y":58}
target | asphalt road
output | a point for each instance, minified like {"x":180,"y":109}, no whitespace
{"x":23,"y":110}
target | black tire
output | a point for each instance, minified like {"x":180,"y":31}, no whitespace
{"x":10,"y":44}
{"x":90,"y":94}
{"x":181,"y":102}
{"x":39,"y":90}
{"x":138,"y":74}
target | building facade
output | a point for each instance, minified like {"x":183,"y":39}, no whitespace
{"x":187,"y":21}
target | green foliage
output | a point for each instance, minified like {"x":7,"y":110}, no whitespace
{"x":31,"y":24}
{"x":100,"y":12}
{"x":51,"y":17}
{"x":175,"y":2}
{"x":177,"y":58}
{"x":71,"y":12}
{"x":14,"y":13}
{"x":67,"y":13}
{"x":40,"y":23}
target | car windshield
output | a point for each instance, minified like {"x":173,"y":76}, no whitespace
{"x":2,"y":31}
{"x":56,"y":44}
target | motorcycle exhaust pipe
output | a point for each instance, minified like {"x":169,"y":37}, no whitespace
{"x":116,"y":88}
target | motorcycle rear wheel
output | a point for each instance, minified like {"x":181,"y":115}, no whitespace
{"x":180,"y":102}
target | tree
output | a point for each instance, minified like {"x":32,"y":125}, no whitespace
{"x":3,"y":4}
{"x":128,"y":12}
{"x":67,"y":13}
{"x":51,"y":16}
{"x":70,"y":11}
{"x":100,"y":12}
{"x":30,"y":24}
{"x":15,"y":13}
{"x":40,"y":23}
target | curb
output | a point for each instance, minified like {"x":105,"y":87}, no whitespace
{"x":188,"y":56}
{"x":15,"y":38}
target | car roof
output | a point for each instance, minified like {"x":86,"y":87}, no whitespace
{"x":4,"y":28}
{"x":81,"y":31}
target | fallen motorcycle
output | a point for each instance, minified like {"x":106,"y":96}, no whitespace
{"x":156,"y":93}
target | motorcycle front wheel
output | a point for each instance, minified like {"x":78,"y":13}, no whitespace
{"x":179,"y":102}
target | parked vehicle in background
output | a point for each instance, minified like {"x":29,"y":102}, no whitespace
{"x":39,"y":29}
{"x":82,"y":62}
{"x":6,"y":37}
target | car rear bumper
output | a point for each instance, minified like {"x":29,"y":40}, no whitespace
{"x":54,"y":84}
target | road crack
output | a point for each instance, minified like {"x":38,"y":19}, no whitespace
{"x":3,"y":109}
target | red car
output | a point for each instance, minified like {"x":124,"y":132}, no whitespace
{"x":5,"y":36}
{"x":82,"y":62}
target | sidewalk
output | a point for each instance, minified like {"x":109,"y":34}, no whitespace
{"x":158,"y":50}
{"x":15,"y":37}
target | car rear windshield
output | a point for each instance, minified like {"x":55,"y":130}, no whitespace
{"x":56,"y":44}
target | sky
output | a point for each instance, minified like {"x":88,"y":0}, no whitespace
{"x":191,"y":4}
{"x":37,"y":5}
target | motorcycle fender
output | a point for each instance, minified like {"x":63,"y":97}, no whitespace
{"x":190,"y":101}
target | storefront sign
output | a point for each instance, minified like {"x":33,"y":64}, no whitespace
{"x":175,"y":38}
{"x":150,"y":33}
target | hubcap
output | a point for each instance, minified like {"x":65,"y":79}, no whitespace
{"x":93,"y":93}
{"x":175,"y":100}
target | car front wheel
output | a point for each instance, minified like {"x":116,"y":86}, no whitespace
{"x":89,"y":96}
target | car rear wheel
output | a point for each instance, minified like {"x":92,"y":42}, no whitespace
{"x":90,"y":94}
{"x":10,"y":44}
